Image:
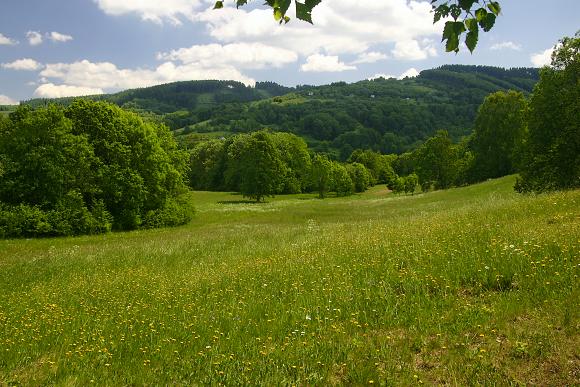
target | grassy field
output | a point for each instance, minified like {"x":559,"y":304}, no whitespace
{"x":475,"y":285}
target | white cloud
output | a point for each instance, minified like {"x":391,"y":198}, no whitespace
{"x":25,"y":64}
{"x":6,"y":41}
{"x":34,"y":38}
{"x":324,"y":63}
{"x":58,"y":37}
{"x":369,"y":57}
{"x":381,"y":75}
{"x":241,"y":55}
{"x":411,"y":73}
{"x":152,"y":10}
{"x":506,"y":46}
{"x":107,"y":76}
{"x":5,"y":100}
{"x":543,"y":58}
{"x":50,"y":90}
{"x":340,"y":26}
{"x":412,"y":50}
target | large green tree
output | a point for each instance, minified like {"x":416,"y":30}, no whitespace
{"x":261,"y":168}
{"x":499,"y":130}
{"x":436,"y":162}
{"x":552,"y":147}
{"x":321,"y":174}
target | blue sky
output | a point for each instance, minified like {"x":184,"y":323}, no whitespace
{"x":53,"y":48}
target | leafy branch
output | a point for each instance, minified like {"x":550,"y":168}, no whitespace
{"x":469,"y":16}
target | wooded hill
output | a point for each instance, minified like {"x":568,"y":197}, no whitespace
{"x":386,"y":115}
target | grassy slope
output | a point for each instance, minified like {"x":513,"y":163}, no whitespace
{"x":470,"y":285}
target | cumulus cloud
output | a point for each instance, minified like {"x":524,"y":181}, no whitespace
{"x":6,"y":41}
{"x":411,"y":73}
{"x":381,"y":75}
{"x":324,"y":63}
{"x":50,"y":90}
{"x":241,"y":55}
{"x":152,"y":10}
{"x":5,"y":100}
{"x":412,"y":50}
{"x":340,"y":26}
{"x":34,"y":38}
{"x":25,"y":64}
{"x":58,"y":37}
{"x":543,"y":58}
{"x":107,"y":76}
{"x":369,"y":57}
{"x":506,"y":46}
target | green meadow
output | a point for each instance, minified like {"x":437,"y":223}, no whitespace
{"x":473,"y":285}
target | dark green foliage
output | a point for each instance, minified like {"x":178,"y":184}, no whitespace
{"x":261,"y":168}
{"x":84,"y":170}
{"x":552,"y":148}
{"x":499,"y":130}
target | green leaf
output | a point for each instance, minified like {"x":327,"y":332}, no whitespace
{"x":277,"y":14}
{"x":487,"y":22}
{"x":218,"y":5}
{"x":471,"y":39}
{"x":494,"y":7}
{"x":480,"y":14}
{"x":471,"y":24}
{"x":466,"y":4}
{"x":451,"y":33}
{"x":240,"y":3}
{"x":455,"y":11}
{"x":303,"y":12}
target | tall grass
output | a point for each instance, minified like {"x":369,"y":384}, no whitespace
{"x":476,"y":285}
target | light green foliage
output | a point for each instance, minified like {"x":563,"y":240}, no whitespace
{"x":476,"y":284}
{"x":411,"y":183}
{"x":294,"y":154}
{"x":499,"y":130}
{"x":360,"y":175}
{"x":342,"y":183}
{"x":552,"y":150}
{"x":321,"y":175}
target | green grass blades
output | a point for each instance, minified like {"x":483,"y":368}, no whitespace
{"x":475,"y":285}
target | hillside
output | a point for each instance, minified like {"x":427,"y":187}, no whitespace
{"x":176,"y":96}
{"x":445,"y":288}
{"x":386,"y":115}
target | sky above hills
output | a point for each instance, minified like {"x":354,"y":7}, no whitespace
{"x":63,"y":48}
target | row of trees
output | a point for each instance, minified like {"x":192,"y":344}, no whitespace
{"x":89,"y":168}
{"x":265,"y":163}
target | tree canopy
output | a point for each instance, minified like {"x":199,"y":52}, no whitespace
{"x":552,"y":146}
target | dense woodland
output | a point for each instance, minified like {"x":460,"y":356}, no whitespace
{"x":85,"y":166}
{"x":386,"y":115}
